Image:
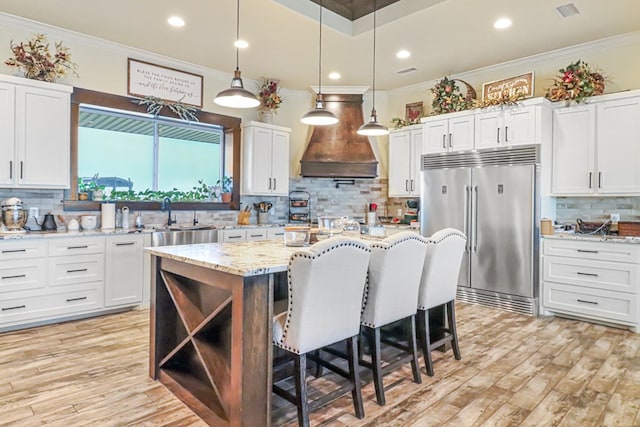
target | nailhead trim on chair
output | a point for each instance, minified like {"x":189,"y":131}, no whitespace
{"x":289,"y":307}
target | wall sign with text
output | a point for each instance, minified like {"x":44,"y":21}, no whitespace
{"x":146,"y":79}
{"x":523,"y":82}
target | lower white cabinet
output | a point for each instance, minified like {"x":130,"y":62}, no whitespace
{"x":124,"y":270}
{"x":594,"y":280}
{"x":250,"y":234}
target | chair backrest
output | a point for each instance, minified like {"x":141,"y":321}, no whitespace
{"x":441,"y":268}
{"x":395,"y":269}
{"x":326,"y":286}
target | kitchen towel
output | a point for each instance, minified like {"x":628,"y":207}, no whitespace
{"x":108,"y":216}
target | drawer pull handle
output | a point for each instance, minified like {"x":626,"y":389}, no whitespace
{"x":126,"y":244}
{"x":587,"y":251}
{"x":588,"y":302}
{"x":587,"y":274}
{"x":14,"y":277}
{"x":8,"y":251}
{"x":13,"y":308}
{"x":235,"y":237}
{"x":78,"y":247}
{"x":76,"y":299}
{"x":257,"y":235}
{"x":78,"y":270}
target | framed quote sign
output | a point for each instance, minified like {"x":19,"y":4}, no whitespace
{"x":495,"y":90}
{"x":169,"y":84}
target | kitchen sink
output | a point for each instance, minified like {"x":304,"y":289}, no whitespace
{"x":181,"y":236}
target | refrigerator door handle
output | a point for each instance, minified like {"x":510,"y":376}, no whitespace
{"x":475,"y":218}
{"x":467,"y":217}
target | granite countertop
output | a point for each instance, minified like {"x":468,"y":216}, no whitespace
{"x":64,"y":233}
{"x":241,"y":258}
{"x":594,"y":238}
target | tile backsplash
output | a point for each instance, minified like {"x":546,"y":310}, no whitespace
{"x":596,"y":208}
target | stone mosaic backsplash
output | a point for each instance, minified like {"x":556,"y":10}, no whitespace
{"x":596,"y":208}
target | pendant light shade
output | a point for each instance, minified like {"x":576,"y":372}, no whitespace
{"x":319,"y":116}
{"x":373,"y":127}
{"x":237,"y":96}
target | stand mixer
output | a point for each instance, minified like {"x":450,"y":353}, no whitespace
{"x":411,"y":208}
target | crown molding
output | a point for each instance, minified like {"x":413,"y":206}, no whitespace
{"x":342,"y":90}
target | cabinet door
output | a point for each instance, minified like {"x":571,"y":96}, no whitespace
{"x":257,"y":161}
{"x":573,"y":150}
{"x":399,"y":155}
{"x":43,"y":137}
{"x":618,"y":146}
{"x":280,"y":164}
{"x":461,"y":133}
{"x":434,"y":135}
{"x":124,"y":270}
{"x":487,"y":129}
{"x":414,"y":161}
{"x":520,"y":126}
{"x":7,"y":134}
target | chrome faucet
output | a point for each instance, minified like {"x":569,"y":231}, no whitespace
{"x":195,"y":219}
{"x":166,"y":206}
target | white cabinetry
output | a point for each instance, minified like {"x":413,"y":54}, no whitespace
{"x":265,"y":159}
{"x":520,"y":124}
{"x":405,"y":149}
{"x":451,"y":133}
{"x":124,"y":270}
{"x":598,"y":281}
{"x":595,"y":146}
{"x":249,"y":234}
{"x":34,"y":133}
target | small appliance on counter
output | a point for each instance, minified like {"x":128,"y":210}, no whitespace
{"x":14,"y":217}
{"x":48,"y":223}
{"x":411,"y":210}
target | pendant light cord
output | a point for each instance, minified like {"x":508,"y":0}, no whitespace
{"x":374,"y":57}
{"x":237,"y":35}
{"x":320,"y":55}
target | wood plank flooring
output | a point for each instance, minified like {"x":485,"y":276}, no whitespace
{"x":515,"y":371}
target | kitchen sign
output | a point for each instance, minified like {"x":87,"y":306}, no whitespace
{"x":496,"y":89}
{"x":146,"y":79}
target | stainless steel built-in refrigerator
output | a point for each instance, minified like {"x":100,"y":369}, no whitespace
{"x":492,"y":197}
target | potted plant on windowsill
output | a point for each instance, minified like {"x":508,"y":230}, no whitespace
{"x":227,"y":185}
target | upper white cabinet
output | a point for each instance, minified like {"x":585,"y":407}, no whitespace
{"x":451,"y":133}
{"x":595,"y":146}
{"x":520,"y":124}
{"x":265,"y":159}
{"x":34,"y":133}
{"x":405,"y":148}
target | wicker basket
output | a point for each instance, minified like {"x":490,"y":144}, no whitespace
{"x":628,"y":228}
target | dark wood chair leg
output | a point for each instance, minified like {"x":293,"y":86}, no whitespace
{"x":300,"y":363}
{"x":356,"y":393}
{"x":426,"y":341}
{"x":373,"y":335}
{"x":319,"y":370}
{"x":411,"y":341}
{"x":451,"y":318}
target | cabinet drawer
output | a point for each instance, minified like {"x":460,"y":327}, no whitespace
{"x":35,"y":308}
{"x":22,"y":275}
{"x":613,"y":276}
{"x":23,"y":248}
{"x":275,"y":233}
{"x":76,"y":269}
{"x":591,"y":303}
{"x":233,"y":236}
{"x":75,"y":246}
{"x":601,"y":251}
{"x":256,"y":234}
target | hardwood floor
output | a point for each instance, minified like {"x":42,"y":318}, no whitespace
{"x":515,"y":370}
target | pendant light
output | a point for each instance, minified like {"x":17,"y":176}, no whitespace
{"x":237,"y":96}
{"x":319,"y":116}
{"x":372,"y":127}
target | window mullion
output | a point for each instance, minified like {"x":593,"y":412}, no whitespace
{"x":156,"y":154}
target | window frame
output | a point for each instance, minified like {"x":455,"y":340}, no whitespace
{"x":231,"y":128}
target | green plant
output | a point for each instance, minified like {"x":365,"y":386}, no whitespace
{"x":227,"y":184}
{"x":447,"y":97}
{"x":198,"y":192}
{"x":89,"y":186}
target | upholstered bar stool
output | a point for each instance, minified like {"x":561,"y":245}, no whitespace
{"x":438,"y":288}
{"x":326,"y":287}
{"x":395,"y":270}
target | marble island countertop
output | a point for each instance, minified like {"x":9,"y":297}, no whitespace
{"x":594,"y":238}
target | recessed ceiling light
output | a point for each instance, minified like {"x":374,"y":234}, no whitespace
{"x":334,"y":75}
{"x":502,"y":23}
{"x":241,"y":44}
{"x":402,"y":54}
{"x":176,"y":21}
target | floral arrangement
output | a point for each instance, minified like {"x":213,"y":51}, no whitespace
{"x":155,"y":105}
{"x":269,"y":95}
{"x":37,"y":62}
{"x":447,"y":97}
{"x":575,"y":83}
{"x":505,"y":98}
{"x":398,"y":123}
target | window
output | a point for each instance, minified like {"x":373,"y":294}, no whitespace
{"x":133,"y":151}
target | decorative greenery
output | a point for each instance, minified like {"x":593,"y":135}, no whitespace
{"x":448,"y":99}
{"x":200,"y":192}
{"x":576,"y":82}
{"x":155,"y":105}
{"x":89,"y":186}
{"x":226,"y":183}
{"x":269,"y":95}
{"x":35,"y":60}
{"x":398,"y":123}
{"x":503,"y":99}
